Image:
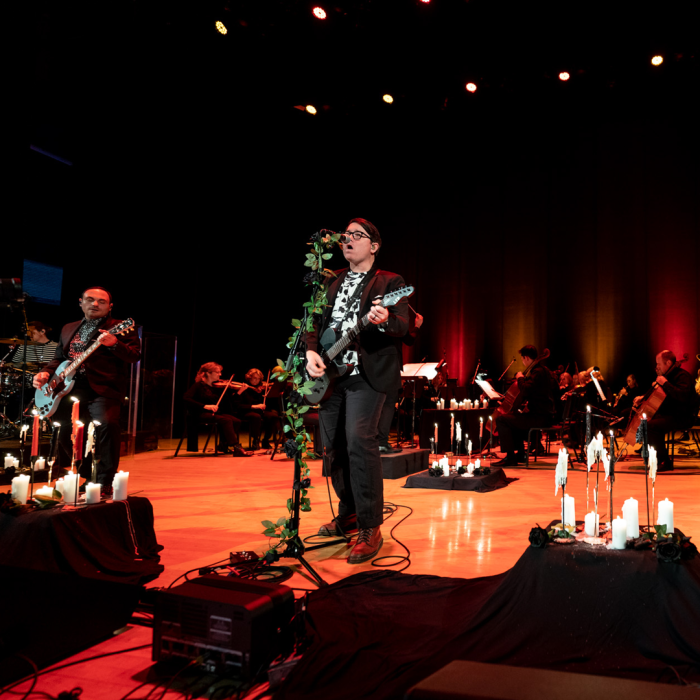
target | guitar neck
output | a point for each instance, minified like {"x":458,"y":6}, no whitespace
{"x":80,"y":359}
{"x":347,"y":338}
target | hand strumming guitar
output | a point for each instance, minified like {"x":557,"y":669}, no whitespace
{"x":314,"y":364}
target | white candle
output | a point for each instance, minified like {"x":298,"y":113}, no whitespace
{"x":476,"y":404}
{"x":469,"y":448}
{"x":653,"y":463}
{"x":478,"y":464}
{"x":92,"y":493}
{"x":441,"y":404}
{"x":20,"y":488}
{"x":9,"y":461}
{"x":592,"y":520}
{"x":70,"y":487}
{"x":458,"y":464}
{"x":665,"y":515}
{"x":569,"y":510}
{"x":470,"y":468}
{"x":120,"y":485}
{"x":619,"y":533}
{"x":485,"y":403}
{"x":15,"y":463}
{"x":459,"y":433}
{"x":630,"y":512}
{"x":445,"y":464}
{"x":39,"y":464}
{"x":60,"y":485}
{"x":44,"y":491}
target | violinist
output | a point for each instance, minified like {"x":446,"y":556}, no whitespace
{"x":678,"y":409}
{"x":627,"y":395}
{"x":204,"y":400}
{"x":538,"y":389}
{"x":250,"y":404}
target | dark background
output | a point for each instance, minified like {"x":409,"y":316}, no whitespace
{"x":533,"y":211}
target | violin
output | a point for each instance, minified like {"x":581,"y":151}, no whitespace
{"x":242,"y":385}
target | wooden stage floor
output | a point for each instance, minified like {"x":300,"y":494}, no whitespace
{"x":206,"y":507}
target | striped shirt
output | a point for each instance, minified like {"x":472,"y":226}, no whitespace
{"x":41,"y":353}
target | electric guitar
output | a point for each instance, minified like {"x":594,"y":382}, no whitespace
{"x":332,"y":346}
{"x":47,"y":399}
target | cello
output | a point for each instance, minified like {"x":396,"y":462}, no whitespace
{"x":513,"y":392}
{"x":649,"y":405}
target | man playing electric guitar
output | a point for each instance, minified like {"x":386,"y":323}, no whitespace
{"x":101,"y":381}
{"x":349,"y":417}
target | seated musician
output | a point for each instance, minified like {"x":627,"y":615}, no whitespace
{"x":538,"y":389}
{"x":627,"y":395}
{"x":678,"y":409}
{"x":249,"y":403}
{"x":202,"y":398}
{"x":41,"y":351}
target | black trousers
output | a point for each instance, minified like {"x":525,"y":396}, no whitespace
{"x":513,"y":428}
{"x":348,"y":422}
{"x":227,"y":425}
{"x":93,"y":407}
{"x":657,"y":428}
{"x":387,"y":417}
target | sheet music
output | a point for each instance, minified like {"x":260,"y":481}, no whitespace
{"x":420,"y":369}
{"x":488,"y":389}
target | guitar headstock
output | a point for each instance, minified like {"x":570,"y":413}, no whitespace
{"x":394,"y":297}
{"x":122,"y":327}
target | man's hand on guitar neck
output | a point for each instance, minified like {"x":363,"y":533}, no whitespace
{"x":107,"y":339}
{"x":314,"y":364}
{"x":40,"y":379}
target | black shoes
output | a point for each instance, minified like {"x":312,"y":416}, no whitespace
{"x":510,"y":460}
{"x":388,"y":450}
{"x":664,"y":466}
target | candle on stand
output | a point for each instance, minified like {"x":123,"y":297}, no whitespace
{"x":90,"y":441}
{"x":481,"y":427}
{"x":23,"y":435}
{"x":470,"y":468}
{"x":35,"y":436}
{"x":469,"y":447}
{"x":452,"y":431}
{"x":569,"y":510}
{"x":92,"y":493}
{"x":592,"y":521}
{"x":477,"y":465}
{"x":459,"y":437}
{"x":20,"y":488}
{"x":588,"y":424}
{"x":619,"y":533}
{"x":666,"y":515}
{"x":436,"y":438}
{"x":630,"y":513}
{"x":78,"y":444}
{"x":458,"y":464}
{"x":120,"y":485}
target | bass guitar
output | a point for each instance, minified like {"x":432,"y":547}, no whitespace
{"x":47,"y":399}
{"x":333,"y":345}
{"x":513,"y":393}
{"x":648,"y":406}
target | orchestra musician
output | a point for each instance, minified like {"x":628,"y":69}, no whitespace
{"x":628,"y":393}
{"x":349,"y":418}
{"x":101,"y":381}
{"x":250,"y":405}
{"x":538,"y":389}
{"x":204,"y":401}
{"x":678,"y":409}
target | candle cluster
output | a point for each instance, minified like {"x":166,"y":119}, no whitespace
{"x":465,"y":405}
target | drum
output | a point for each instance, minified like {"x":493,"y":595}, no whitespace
{"x":10,"y":382}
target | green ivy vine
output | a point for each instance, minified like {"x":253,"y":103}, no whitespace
{"x":298,"y":440}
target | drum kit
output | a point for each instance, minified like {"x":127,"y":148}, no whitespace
{"x":12,"y":376}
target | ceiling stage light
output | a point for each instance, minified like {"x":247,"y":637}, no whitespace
{"x":388,"y":99}
{"x":657,"y":60}
{"x":471,"y":87}
{"x":564,"y":76}
{"x":319,"y":13}
{"x":221,"y":28}
{"x":311,"y":109}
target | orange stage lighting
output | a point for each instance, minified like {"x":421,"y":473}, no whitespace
{"x":388,"y":99}
{"x":657,"y":60}
{"x":319,"y":13}
{"x":564,"y":76}
{"x":471,"y":87}
{"x":221,"y":28}
{"x":311,"y":109}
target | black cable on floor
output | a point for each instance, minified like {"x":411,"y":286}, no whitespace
{"x":391,"y":508}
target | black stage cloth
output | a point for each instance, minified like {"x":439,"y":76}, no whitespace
{"x":112,"y":540}
{"x":567,"y":608}
{"x":467,"y":419}
{"x":497,"y":479}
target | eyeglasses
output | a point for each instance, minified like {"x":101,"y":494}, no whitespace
{"x":355,"y":235}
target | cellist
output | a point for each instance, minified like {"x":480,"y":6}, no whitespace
{"x":678,"y":409}
{"x":538,"y":389}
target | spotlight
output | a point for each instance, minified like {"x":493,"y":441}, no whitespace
{"x":471,"y":87}
{"x":311,"y":109}
{"x":319,"y":13}
{"x":657,"y":60}
{"x":564,"y":76}
{"x":221,"y":28}
{"x":388,"y":99}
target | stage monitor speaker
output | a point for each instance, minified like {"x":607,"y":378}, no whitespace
{"x":469,"y":680}
{"x":49,"y":616}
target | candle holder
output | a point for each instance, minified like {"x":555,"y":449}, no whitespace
{"x":433,"y":447}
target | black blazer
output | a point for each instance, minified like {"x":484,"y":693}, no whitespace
{"x":379,"y":351}
{"x":106,"y":369}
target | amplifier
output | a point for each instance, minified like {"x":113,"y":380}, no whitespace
{"x":237,"y":626}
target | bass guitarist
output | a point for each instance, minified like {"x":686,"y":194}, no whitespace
{"x":677,"y":410}
{"x":101,"y":381}
{"x":349,"y":417}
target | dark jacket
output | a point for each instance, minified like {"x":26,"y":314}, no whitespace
{"x":681,"y":401}
{"x":379,"y":351}
{"x":539,"y":389}
{"x":107,"y":369}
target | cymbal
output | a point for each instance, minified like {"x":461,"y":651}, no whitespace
{"x":15,"y":341}
{"x":17,"y":366}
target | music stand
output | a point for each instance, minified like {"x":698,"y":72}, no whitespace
{"x":411,"y":372}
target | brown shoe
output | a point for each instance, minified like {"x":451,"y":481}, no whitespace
{"x":331,"y":529}
{"x":369,"y":542}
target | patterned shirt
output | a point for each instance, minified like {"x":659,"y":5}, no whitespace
{"x":79,"y":343}
{"x":347,"y":289}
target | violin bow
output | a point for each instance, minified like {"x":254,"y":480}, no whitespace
{"x":228,"y":384}
{"x":268,"y":386}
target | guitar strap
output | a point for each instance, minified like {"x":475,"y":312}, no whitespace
{"x":356,"y":294}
